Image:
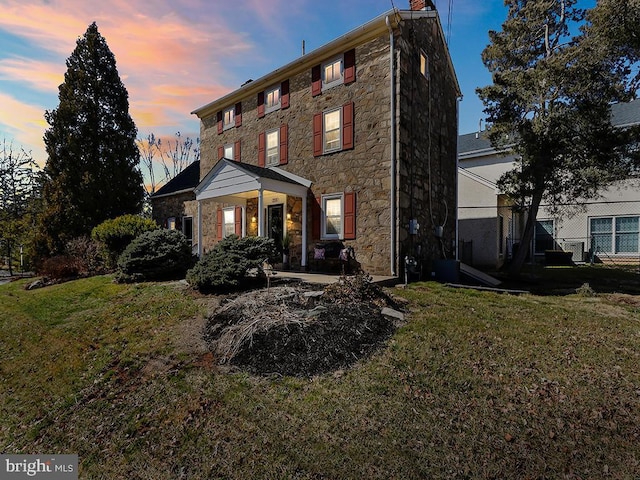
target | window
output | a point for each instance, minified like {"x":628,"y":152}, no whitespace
{"x":337,"y":71}
{"x":500,"y":234}
{"x":171,"y":223}
{"x":331,"y":122}
{"x":332,"y":208}
{"x":334,"y":216}
{"x":273,"y":143}
{"x":229,"y":227}
{"x":228,"y":118}
{"x":615,"y":234}
{"x":273,"y":147}
{"x":543,"y":236}
{"x":187,"y":228}
{"x":228,"y":151}
{"x":272,"y":99}
{"x":333,"y":130}
{"x":424,"y":65}
{"x":332,"y":73}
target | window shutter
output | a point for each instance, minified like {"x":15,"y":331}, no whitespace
{"x":316,"y":81}
{"x":284,"y":144}
{"x":219,"y":225}
{"x":261,"y":149}
{"x":236,"y":151}
{"x":238,"y":220}
{"x":317,"y":135}
{"x":238,"y":112}
{"x":350,"y":66}
{"x":220,"y":152}
{"x":284,"y":94}
{"x":219,"y":118}
{"x":316,"y":218}
{"x":260,"y":104}
{"x":347,"y":126}
{"x":349,"y":216}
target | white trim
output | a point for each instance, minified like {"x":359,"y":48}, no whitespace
{"x":338,"y":81}
{"x":323,"y":223}
{"x":324,"y":130}
{"x":276,"y":106}
{"x":232,"y":121}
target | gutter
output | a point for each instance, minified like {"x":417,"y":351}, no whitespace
{"x":392,"y":87}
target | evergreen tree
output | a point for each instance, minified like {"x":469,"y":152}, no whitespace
{"x":91,"y":170}
{"x":554,"y":79}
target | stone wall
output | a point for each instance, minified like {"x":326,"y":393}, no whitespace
{"x":365,"y":169}
{"x":171,"y":206}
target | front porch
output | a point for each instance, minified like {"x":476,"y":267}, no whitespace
{"x":243,"y":199}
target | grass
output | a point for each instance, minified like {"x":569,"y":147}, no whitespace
{"x":474,"y":385}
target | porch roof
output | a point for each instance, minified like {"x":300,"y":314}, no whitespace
{"x":228,"y":177}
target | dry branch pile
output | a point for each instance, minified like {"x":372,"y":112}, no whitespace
{"x":282,"y":330}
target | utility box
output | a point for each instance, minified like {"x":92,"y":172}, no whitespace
{"x":576,"y":249}
{"x":447,"y":271}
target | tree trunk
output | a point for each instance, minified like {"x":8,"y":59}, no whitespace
{"x":525,"y":242}
{"x":9,"y":260}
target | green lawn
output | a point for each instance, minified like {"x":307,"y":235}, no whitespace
{"x":475,"y":385}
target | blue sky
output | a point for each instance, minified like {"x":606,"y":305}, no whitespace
{"x":175,"y":56}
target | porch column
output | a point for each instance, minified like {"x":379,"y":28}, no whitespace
{"x":199,"y":228}
{"x":260,"y":213}
{"x":303,"y":262}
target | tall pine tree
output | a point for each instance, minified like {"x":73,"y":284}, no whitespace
{"x":91,"y":170}
{"x":554,"y":79}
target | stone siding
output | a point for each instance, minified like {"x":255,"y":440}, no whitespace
{"x":365,"y":169}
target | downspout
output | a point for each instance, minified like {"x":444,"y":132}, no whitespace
{"x":393,"y":145}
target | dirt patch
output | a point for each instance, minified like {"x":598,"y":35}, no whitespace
{"x":299,"y":330}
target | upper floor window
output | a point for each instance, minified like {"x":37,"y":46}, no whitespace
{"x":424,"y":64}
{"x":336,"y":71}
{"x":332,"y":73}
{"x":272,"y":99}
{"x":273,"y":147}
{"x":228,"y":151}
{"x":228,"y":118}
{"x":332,"y":121}
{"x":333,"y":130}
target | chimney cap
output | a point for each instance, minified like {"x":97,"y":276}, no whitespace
{"x":421,"y":5}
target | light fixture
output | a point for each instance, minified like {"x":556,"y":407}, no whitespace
{"x":288,"y":216}
{"x":253,"y":220}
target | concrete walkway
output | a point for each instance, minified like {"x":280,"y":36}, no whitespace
{"x":325,"y":279}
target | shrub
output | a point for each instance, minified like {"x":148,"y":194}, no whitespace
{"x":87,"y":254}
{"x":352,"y":290}
{"x":229,"y":262}
{"x":155,"y":255}
{"x":60,"y":267}
{"x":115,"y":234}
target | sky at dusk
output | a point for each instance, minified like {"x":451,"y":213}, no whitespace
{"x":175,"y":56}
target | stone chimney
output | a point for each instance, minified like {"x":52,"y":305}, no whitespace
{"x":421,"y":5}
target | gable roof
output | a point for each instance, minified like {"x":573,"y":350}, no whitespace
{"x":368,"y":31}
{"x":228,"y":177}
{"x":477,"y":144}
{"x":185,"y":181}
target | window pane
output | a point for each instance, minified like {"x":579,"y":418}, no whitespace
{"x":273,"y":156}
{"x":544,"y":236}
{"x":229,"y":117}
{"x":229,"y":222}
{"x":332,"y":71}
{"x":601,"y":235}
{"x":332,"y":130}
{"x":333,"y":216}
{"x":228,"y":152}
{"x":627,"y":235}
{"x":273,"y":98}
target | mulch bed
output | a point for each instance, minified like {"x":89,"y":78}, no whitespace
{"x":281,"y":331}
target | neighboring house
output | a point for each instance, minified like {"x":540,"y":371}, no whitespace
{"x":605,"y":229}
{"x":354,"y":142}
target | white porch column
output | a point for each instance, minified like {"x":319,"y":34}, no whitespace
{"x":303,"y":261}
{"x":199,"y":228}
{"x":260,"y":213}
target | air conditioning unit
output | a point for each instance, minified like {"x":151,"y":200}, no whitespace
{"x":577,"y":250}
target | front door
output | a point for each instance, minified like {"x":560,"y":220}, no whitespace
{"x":275,"y":216}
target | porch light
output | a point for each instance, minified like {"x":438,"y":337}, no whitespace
{"x":253,"y":220}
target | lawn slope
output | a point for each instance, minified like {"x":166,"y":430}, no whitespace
{"x":474,"y":385}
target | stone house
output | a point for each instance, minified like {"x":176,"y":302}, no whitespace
{"x":353,"y":143}
{"x":605,"y":229}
